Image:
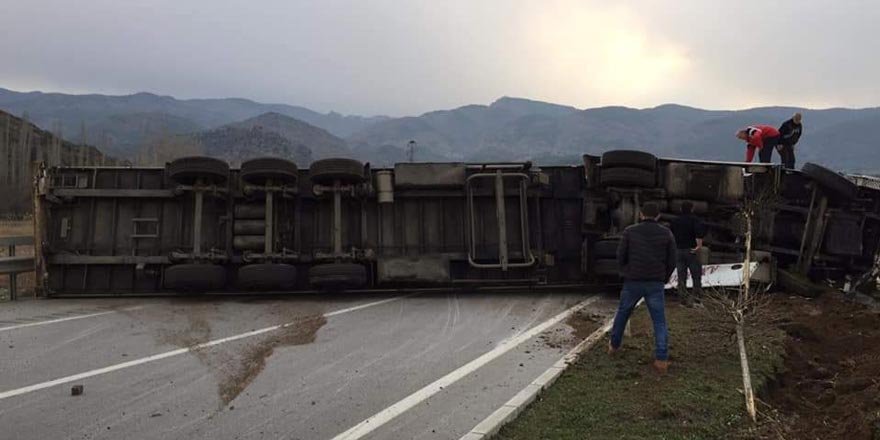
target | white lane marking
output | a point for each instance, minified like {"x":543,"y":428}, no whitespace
{"x":69,"y":318}
{"x":172,"y":353}
{"x":386,"y":415}
{"x":507,"y":412}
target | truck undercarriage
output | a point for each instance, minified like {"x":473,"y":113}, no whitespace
{"x":198,"y":226}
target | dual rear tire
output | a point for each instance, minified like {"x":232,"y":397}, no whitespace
{"x":628,"y":168}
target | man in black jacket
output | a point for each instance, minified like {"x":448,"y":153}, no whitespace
{"x":646,"y":255}
{"x":689,"y":232}
{"x":789,"y":134}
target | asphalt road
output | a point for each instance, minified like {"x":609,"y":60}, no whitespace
{"x":373,"y":367}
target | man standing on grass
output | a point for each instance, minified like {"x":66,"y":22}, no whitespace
{"x":646,"y":255}
{"x":688,"y":231}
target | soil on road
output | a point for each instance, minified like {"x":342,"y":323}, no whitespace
{"x":306,"y":367}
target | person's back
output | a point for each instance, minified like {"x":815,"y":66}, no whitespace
{"x":646,"y":252}
{"x":759,"y":137}
{"x":647,"y":257}
{"x":764,"y":131}
{"x":686,"y":229}
{"x":688,"y":232}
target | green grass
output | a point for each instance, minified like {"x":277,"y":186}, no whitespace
{"x":621,"y":397}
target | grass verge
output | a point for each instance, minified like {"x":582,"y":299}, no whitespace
{"x":621,"y":397}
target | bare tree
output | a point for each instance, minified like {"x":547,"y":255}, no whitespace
{"x":168,"y":148}
{"x":744,"y":304}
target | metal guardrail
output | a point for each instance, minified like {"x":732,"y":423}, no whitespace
{"x":13,"y":265}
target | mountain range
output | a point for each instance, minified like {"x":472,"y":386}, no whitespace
{"x":509,"y":129}
{"x":121,"y":123}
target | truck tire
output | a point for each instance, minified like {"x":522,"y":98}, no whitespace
{"x":700,"y":206}
{"x":338,"y":275}
{"x":265,"y":277}
{"x":605,"y":249}
{"x":249,"y":227}
{"x":627,"y":177}
{"x":629,"y":159}
{"x":187,"y":170}
{"x":606,"y":268}
{"x":831,"y":180}
{"x":347,"y":171}
{"x":195,"y":277}
{"x":255,"y":242}
{"x":259,"y":171}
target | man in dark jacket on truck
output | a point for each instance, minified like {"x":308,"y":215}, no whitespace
{"x":789,"y":135}
{"x":689,"y":232}
{"x":646,"y":255}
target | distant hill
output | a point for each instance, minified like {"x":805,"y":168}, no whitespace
{"x":122,"y":134}
{"x":509,"y":129}
{"x":119,"y":116}
{"x":321,"y":143}
{"x":237,"y":144}
{"x":458,"y":133}
{"x":22,"y":144}
{"x":517,"y":129}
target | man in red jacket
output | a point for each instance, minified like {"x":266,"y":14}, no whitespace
{"x":762,"y":137}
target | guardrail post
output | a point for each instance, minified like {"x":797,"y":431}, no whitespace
{"x":13,"y":282}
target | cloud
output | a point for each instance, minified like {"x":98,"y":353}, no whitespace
{"x":388,"y":56}
{"x":600,"y":55}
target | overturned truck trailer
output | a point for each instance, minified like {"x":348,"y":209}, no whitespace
{"x":196,"y":225}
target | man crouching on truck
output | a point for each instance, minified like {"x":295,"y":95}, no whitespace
{"x":646,"y":254}
{"x":761,"y":137}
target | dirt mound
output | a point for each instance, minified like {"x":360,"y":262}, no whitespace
{"x":831,"y":385}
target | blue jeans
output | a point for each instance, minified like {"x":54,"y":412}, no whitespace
{"x":632,"y":292}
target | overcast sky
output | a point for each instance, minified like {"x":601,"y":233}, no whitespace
{"x":401,"y":57}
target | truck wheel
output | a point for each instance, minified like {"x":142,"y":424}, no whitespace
{"x":258,"y":171}
{"x":629,"y":159}
{"x":187,"y":170}
{"x":605,"y":249}
{"x":700,"y":206}
{"x":263,"y":277}
{"x":627,"y":177}
{"x":338,"y":275}
{"x":249,"y":242}
{"x":606,"y":268}
{"x":195,"y":277}
{"x":831,"y":180}
{"x":325,"y":171}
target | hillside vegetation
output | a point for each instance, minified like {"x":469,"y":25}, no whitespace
{"x":509,"y":129}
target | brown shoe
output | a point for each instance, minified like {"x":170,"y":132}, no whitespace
{"x":611,"y":349}
{"x":662,"y":367}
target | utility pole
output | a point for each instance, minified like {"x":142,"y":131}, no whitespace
{"x":411,"y":151}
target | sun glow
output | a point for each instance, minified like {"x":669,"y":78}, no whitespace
{"x":601,"y":55}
